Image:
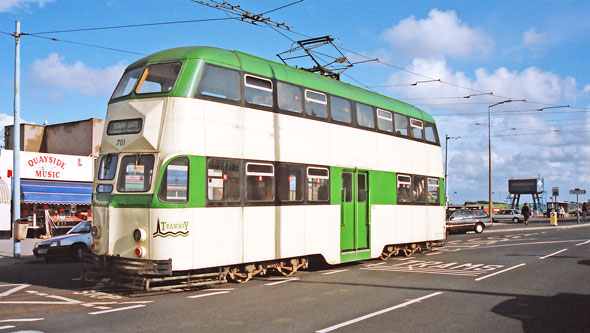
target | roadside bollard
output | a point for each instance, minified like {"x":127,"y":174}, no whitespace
{"x":553,"y":219}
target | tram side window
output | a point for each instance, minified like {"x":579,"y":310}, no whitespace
{"x":433,"y":191}
{"x":107,"y":167}
{"x":316,"y":104}
{"x":135,"y":174}
{"x":258,"y":90}
{"x":384,"y":120}
{"x":127,"y":83}
{"x":223,"y":180}
{"x":365,"y":115}
{"x":417,"y":128}
{"x":289,"y":97}
{"x":158,"y":78}
{"x":430,"y":132}
{"x":174,"y":184}
{"x":404,"y":192}
{"x":260,"y":182}
{"x":290,"y":182}
{"x":340,"y":108}
{"x":220,"y":82}
{"x":419,"y":189}
{"x":318,"y":184}
{"x":401,"y":124}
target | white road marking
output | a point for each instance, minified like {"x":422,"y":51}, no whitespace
{"x":90,"y":305}
{"x":137,"y":302}
{"x":334,"y":272}
{"x":20,"y":320}
{"x":586,"y":242}
{"x":426,"y":271}
{"x":222,"y":289}
{"x":103,"y":307}
{"x":12,"y":290}
{"x":117,"y":309}
{"x":370,"y":315}
{"x":552,"y":254}
{"x":371,"y":265}
{"x":6,"y":327}
{"x":281,"y":281}
{"x":209,"y":294}
{"x":499,"y":272}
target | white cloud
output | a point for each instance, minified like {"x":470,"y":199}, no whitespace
{"x":531,"y":38}
{"x":441,"y":34}
{"x":54,"y":72}
{"x":8,"y":5}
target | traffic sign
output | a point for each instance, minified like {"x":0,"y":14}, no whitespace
{"x":577,"y":191}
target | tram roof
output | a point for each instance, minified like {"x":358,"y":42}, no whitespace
{"x":263,"y":67}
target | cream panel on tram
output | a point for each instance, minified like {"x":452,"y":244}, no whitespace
{"x":352,"y":147}
{"x":298,"y":144}
{"x":184,"y":116}
{"x":258,"y":227}
{"x":322,"y":232}
{"x":259,"y":135}
{"x":290,"y":231}
{"x":382,"y":228}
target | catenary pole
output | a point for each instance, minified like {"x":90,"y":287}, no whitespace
{"x":16,"y":144}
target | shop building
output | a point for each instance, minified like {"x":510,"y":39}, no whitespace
{"x":56,"y":170}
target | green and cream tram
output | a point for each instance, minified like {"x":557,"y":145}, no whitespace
{"x":216,"y":163}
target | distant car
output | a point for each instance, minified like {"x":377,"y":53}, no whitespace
{"x":73,"y":244}
{"x":507,"y":215}
{"x":463,"y":220}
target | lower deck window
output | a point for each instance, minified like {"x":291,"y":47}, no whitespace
{"x":223,"y":180}
{"x":290,"y":182}
{"x":404,"y":192}
{"x":260,"y":182}
{"x":318,"y":184}
{"x":433,"y":191}
{"x":174,"y":185}
{"x":135,"y":174}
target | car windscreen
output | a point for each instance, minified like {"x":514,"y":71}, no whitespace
{"x":81,"y":228}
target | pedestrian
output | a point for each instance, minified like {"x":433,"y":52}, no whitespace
{"x":584,"y":212}
{"x":526,"y":212}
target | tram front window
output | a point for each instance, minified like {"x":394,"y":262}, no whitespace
{"x":135,"y":174}
{"x":107,"y":168}
{"x":127,"y":83}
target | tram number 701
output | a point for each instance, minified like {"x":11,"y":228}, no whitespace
{"x":120,"y":142}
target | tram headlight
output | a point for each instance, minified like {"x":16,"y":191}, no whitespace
{"x":95,"y":231}
{"x":139,"y":235}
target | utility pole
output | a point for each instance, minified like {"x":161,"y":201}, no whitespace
{"x":446,"y":172}
{"x":16,"y":145}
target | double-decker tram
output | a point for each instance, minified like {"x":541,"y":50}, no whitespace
{"x":217,"y":164}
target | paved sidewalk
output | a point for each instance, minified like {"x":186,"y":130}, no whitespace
{"x":26,"y":250}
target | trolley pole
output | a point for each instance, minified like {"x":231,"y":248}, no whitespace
{"x":16,"y":145}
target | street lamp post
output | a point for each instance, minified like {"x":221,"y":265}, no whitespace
{"x":491,"y":205}
{"x":446,"y":170}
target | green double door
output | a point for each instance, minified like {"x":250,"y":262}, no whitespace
{"x":354,"y":222}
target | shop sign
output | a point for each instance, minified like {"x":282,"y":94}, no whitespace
{"x":56,"y":167}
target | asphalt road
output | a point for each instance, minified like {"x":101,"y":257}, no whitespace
{"x":511,"y":278}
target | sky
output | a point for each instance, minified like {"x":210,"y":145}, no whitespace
{"x":464,"y":55}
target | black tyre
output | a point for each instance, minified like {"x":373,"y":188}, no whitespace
{"x":77,"y":251}
{"x":515,"y":220}
{"x":479,"y":228}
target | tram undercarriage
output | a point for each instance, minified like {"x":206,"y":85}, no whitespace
{"x":157,"y":275}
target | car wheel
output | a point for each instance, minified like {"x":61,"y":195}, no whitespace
{"x":479,"y":228}
{"x":77,"y":252}
{"x":515,"y":220}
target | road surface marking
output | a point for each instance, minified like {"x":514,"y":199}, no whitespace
{"x":499,"y":272}
{"x":12,"y":290}
{"x":370,"y":315}
{"x":586,"y":242}
{"x":6,"y":327}
{"x":103,"y":307}
{"x":334,"y":272}
{"x":222,"y":289}
{"x":117,"y":309}
{"x":20,"y":320}
{"x":90,"y":305}
{"x":552,"y":254}
{"x":209,"y":294}
{"x":371,"y":265}
{"x":281,"y":281}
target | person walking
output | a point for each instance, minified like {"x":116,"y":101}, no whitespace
{"x":526,"y":212}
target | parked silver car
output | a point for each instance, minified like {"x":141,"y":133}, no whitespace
{"x":507,"y":215}
{"x":469,"y":219}
{"x":73,"y":244}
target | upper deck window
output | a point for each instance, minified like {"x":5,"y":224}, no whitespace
{"x":220,"y":82}
{"x":316,"y":104}
{"x":258,"y":90}
{"x":417,"y":128}
{"x":127,"y":83}
{"x":401,"y":124}
{"x":289,"y":97}
{"x":158,"y":78}
{"x":365,"y":115}
{"x":340,"y":108}
{"x":431,"y":133}
{"x":384,"y":120}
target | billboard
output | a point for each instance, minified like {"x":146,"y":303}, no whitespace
{"x":525,"y":186}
